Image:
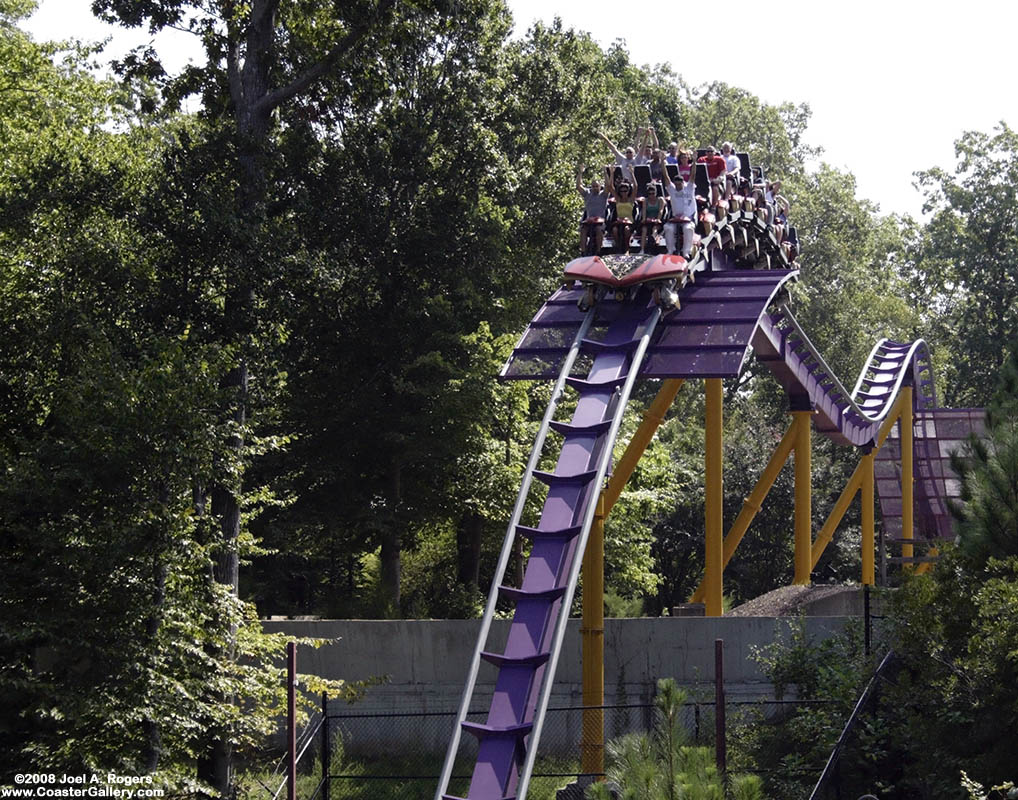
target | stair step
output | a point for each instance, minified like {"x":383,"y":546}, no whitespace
{"x":532,"y":594}
{"x":501,"y":659}
{"x":558,"y":533}
{"x":567,"y":428}
{"x":482,"y":731}
{"x":454,"y":797}
{"x":582,"y":385}
{"x":595,"y":346}
{"x":554,"y":479}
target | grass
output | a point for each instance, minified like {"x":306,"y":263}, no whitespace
{"x":389,"y":779}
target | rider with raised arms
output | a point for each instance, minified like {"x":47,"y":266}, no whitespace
{"x":595,"y":209}
{"x":683,"y":197}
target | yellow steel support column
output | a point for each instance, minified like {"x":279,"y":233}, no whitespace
{"x":868,"y":527}
{"x":803,"y":498}
{"x":854,"y":484}
{"x":840,"y":507}
{"x":652,"y":418}
{"x":752,"y":504}
{"x":906,"y":472}
{"x":592,"y":635}
{"x":714,"y":516}
{"x":592,"y":627}
{"x":922,"y":569}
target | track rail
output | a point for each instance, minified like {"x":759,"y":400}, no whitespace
{"x":508,"y":739}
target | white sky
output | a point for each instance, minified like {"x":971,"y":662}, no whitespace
{"x":891,"y":84}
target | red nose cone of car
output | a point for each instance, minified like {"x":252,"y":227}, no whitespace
{"x":592,"y":268}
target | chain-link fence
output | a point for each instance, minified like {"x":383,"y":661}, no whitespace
{"x":378,"y":756}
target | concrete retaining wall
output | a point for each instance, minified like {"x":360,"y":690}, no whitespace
{"x":426,"y":663}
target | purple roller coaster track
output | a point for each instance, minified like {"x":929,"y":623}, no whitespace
{"x":724,"y":314}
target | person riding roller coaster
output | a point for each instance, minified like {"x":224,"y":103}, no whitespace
{"x":595,"y":210}
{"x":683,"y":197}
{"x":625,"y":211}
{"x":717,"y":168}
{"x":652,"y":208}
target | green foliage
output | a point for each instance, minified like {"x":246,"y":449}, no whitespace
{"x":956,"y":700}
{"x":976,"y":791}
{"x":792,"y":748}
{"x":986,"y":519}
{"x":965,"y":257}
{"x":622,"y":607}
{"x":119,"y":648}
{"x":662,"y":765}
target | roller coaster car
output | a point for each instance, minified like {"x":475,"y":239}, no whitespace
{"x":664,"y":274}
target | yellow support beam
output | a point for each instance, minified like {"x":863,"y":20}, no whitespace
{"x":854,"y":485}
{"x":840,"y":507}
{"x":592,"y":627}
{"x":714,"y":513}
{"x":751,"y":506}
{"x":868,"y":521}
{"x":803,"y":497}
{"x":652,"y":419}
{"x":922,"y":569}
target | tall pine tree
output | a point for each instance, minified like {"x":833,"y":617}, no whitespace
{"x":987,"y":517}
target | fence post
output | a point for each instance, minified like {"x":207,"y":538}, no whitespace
{"x":291,"y":721}
{"x":720,"y":749}
{"x":326,"y":747}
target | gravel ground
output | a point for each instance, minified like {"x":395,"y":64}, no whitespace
{"x":784,"y":601}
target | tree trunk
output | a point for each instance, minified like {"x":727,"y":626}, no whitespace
{"x":391,"y":544}
{"x":152,"y":747}
{"x":468,"y":549}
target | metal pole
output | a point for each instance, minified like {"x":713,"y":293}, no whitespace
{"x":326,"y":747}
{"x":866,"y":613}
{"x":291,"y":721}
{"x":714,"y":514}
{"x":720,"y":744}
{"x":592,"y":635}
{"x":854,"y":484}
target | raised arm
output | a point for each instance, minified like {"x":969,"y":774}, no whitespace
{"x":609,"y":179}
{"x":579,"y":179}
{"x":653,"y":134}
{"x":611,"y":146}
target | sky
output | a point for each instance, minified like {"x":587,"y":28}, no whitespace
{"x":891,"y":84}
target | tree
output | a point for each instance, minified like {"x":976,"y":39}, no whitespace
{"x":119,"y":643}
{"x":662,"y":765}
{"x":965,"y":255}
{"x":274,"y":70}
{"x":986,"y":518}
